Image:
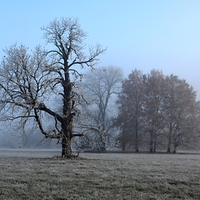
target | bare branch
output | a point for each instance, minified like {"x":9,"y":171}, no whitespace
{"x":31,"y":80}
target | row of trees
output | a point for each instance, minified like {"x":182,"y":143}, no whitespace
{"x":157,"y":112}
{"x":145,"y":112}
{"x":44,"y":90}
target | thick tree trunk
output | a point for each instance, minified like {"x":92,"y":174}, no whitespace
{"x":67,"y":136}
{"x":174,"y":150}
{"x":66,"y":147}
{"x":67,"y":115}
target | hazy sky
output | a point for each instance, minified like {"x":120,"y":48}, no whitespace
{"x":142,"y":34}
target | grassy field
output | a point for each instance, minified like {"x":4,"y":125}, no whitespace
{"x":36,"y":175}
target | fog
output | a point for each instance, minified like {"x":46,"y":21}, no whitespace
{"x":32,"y":140}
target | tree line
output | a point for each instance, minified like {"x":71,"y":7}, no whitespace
{"x":157,"y":112}
{"x":144,"y":112}
{"x":45,"y":91}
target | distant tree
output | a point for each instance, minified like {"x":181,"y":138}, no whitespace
{"x":100,"y":87}
{"x":154,"y":116}
{"x":30,"y":80}
{"x":131,"y":113}
{"x":158,"y":111}
{"x":182,"y":114}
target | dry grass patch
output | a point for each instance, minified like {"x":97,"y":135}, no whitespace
{"x":101,"y":176}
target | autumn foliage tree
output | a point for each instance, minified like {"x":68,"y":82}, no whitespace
{"x":29,"y":80}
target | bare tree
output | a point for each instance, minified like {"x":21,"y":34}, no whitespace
{"x":30,"y":81}
{"x":100,"y":86}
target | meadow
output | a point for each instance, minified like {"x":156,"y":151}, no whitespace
{"x":41,"y":175}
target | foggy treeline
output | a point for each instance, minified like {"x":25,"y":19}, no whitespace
{"x":157,"y":112}
{"x":150,"y":112}
{"x":143,"y":112}
{"x":47,"y":94}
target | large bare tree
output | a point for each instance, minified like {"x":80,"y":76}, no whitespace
{"x":30,"y":80}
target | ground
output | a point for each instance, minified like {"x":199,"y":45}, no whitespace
{"x":40,"y":175}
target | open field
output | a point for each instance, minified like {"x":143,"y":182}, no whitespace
{"x":35,"y":175}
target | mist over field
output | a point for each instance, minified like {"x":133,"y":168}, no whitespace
{"x":33,"y":140}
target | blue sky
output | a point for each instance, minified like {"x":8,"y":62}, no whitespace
{"x":142,"y":34}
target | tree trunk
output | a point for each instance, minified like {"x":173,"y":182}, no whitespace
{"x":103,"y":146}
{"x":123,"y":141}
{"x":67,"y":136}
{"x":136,"y":150}
{"x":175,"y":148}
{"x":169,"y":145}
{"x":154,"y":147}
{"x":66,"y":147}
{"x":136,"y":146}
{"x":169,"y":139}
{"x":151,"y":142}
{"x":136,"y":138}
{"x":168,"y":149}
{"x":67,"y":115}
